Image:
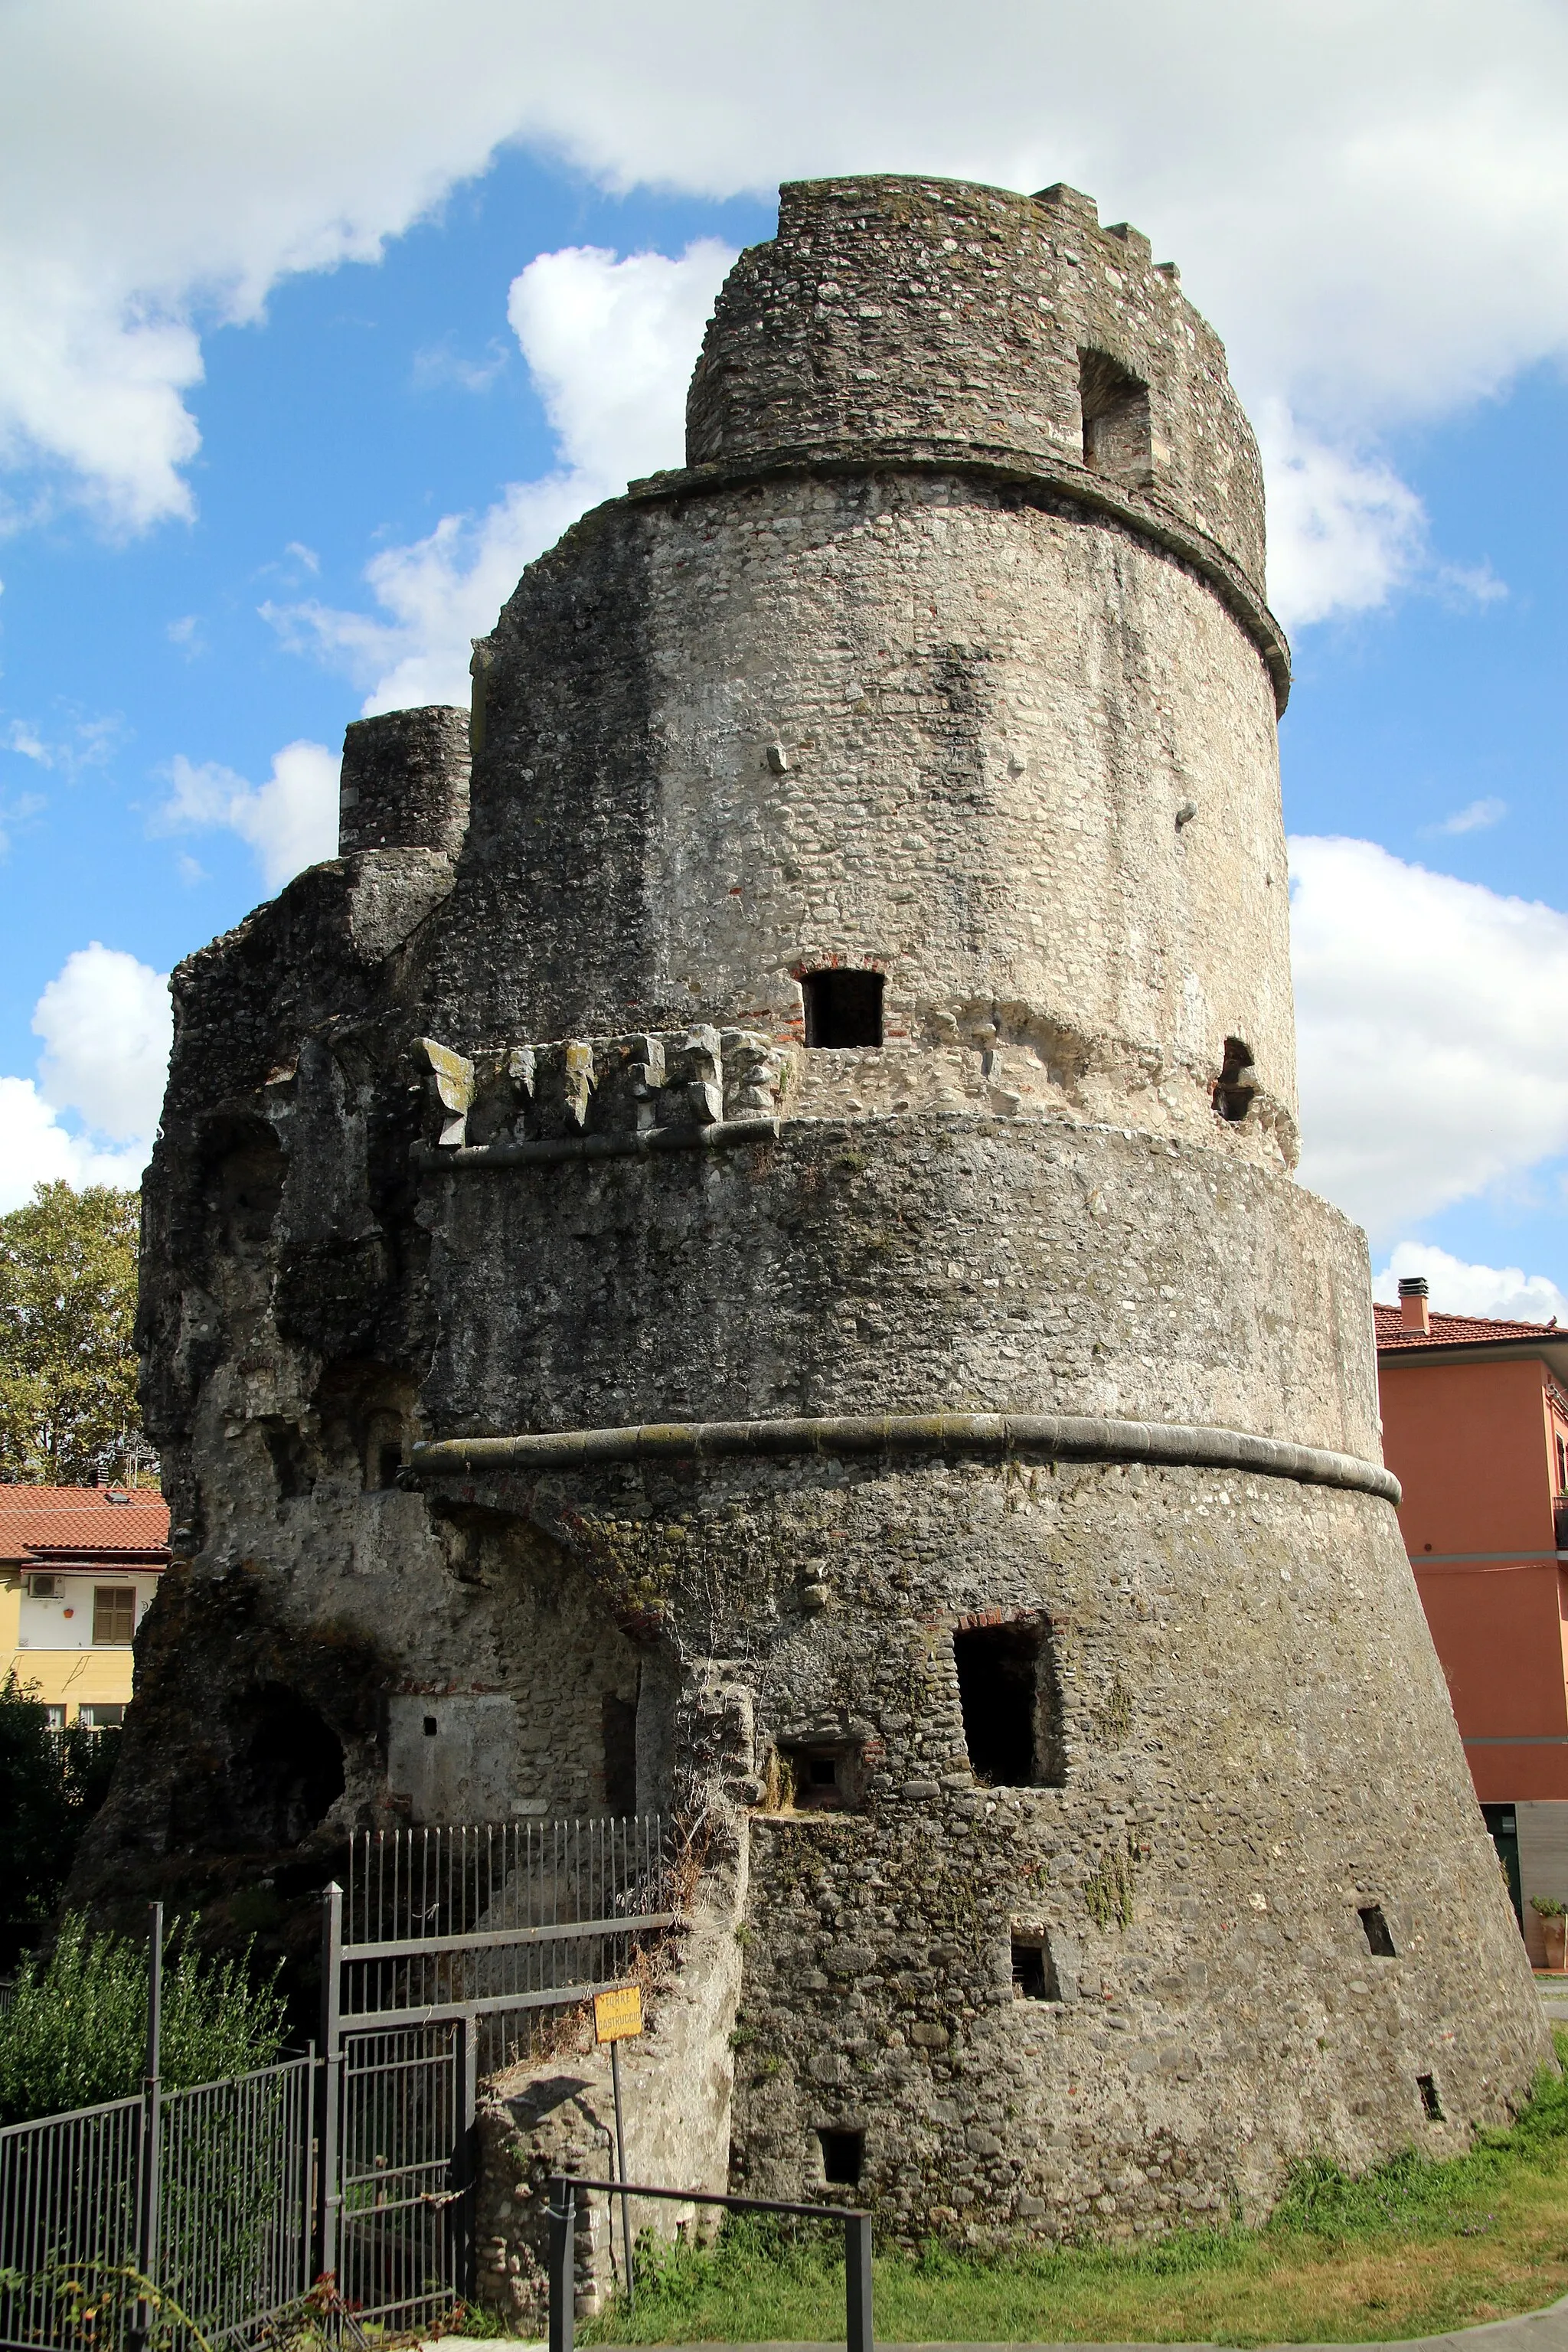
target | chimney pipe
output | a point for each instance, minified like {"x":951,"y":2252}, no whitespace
{"x":1413,"y":1314}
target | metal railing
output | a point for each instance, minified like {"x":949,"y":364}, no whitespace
{"x":69,"y":2194}
{"x":563,"y":2219}
{"x":507,"y":1915}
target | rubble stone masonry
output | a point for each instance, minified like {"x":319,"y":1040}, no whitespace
{"x":747,"y":1248}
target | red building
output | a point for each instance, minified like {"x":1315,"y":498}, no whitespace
{"x":1475,"y":1427}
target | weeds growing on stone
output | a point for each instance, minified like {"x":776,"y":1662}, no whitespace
{"x":1411,"y":2248}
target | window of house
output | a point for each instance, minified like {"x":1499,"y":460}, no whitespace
{"x":101,"y":1718}
{"x":843,"y":1008}
{"x":113,"y":1612}
{"x":1010,"y":1696}
{"x":1561,"y":1467}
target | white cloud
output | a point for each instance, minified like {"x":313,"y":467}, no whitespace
{"x":1345,"y":531}
{"x":1378,"y":224}
{"x":291,"y":820}
{"x":1457,"y":1288}
{"x":1477,"y":816}
{"x":610,"y":345}
{"x":1433,"y":1053}
{"x":106,"y":1023}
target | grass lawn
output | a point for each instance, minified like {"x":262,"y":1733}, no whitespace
{"x":1409,"y":2249}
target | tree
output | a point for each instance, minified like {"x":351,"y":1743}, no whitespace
{"x":51,"y":1784}
{"x":68,"y":1415}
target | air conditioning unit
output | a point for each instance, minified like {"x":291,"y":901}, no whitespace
{"x":44,"y":1588}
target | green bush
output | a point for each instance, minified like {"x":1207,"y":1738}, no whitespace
{"x":76,"y":2032}
{"x":51,"y":1784}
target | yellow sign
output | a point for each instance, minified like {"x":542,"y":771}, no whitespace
{"x":617,"y":2013}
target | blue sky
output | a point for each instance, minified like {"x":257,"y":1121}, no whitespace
{"x":326,"y":307}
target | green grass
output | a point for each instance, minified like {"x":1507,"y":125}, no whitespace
{"x":1409,"y":2248}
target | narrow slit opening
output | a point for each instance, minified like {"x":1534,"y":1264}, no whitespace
{"x":1236,"y":1086}
{"x":1427,"y":2086}
{"x":1379,"y":1941}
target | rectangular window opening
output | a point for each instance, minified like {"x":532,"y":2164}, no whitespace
{"x":843,"y":1008}
{"x":619,"y":1721}
{"x":1010,"y":1696}
{"x":431,"y":1726}
{"x":843,"y":2154}
{"x":1427,"y":2086}
{"x":101,"y":1718}
{"x":1034,"y":1970}
{"x":1117,"y":438}
{"x":1379,"y":1942}
{"x":113,"y":1613}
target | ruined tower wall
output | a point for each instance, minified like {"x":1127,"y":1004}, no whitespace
{"x":541,"y":1325}
{"x":1028,"y":772}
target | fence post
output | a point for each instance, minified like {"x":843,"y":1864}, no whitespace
{"x":563,"y":2264}
{"x":149,"y":2183}
{"x":465,"y":2164}
{"x":858,"y":2282}
{"x":328,"y":2185}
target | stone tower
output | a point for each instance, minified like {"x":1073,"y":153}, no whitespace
{"x":742,"y":1258}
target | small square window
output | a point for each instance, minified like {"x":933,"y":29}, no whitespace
{"x":113,"y":1613}
{"x":1034,"y":1970}
{"x":843,"y":2154}
{"x":843,"y":1008}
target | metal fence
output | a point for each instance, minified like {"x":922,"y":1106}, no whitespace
{"x":233,"y":2197}
{"x":206,"y":2190}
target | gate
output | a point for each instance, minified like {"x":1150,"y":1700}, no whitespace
{"x":441,"y":1956}
{"x":445,"y":1953}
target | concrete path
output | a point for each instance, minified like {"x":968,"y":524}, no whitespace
{"x":1537,"y":2331}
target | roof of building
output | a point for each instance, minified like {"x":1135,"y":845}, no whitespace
{"x":1457,"y":1330}
{"x":85,"y":1525}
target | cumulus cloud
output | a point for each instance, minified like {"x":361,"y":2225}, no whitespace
{"x":1374,"y":244}
{"x":1432,"y":1056}
{"x":91,"y":1115}
{"x":1345,"y":531}
{"x":291,"y":820}
{"x":1459,"y":1288}
{"x":610,"y":345}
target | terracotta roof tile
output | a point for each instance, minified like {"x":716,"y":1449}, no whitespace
{"x":35,"y":1520}
{"x":1456,"y":1330}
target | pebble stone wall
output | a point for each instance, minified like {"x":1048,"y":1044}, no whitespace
{"x":944,"y":664}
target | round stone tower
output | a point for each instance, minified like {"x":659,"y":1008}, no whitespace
{"x":783,"y":1290}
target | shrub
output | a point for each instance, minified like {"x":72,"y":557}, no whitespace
{"x":76,"y":2032}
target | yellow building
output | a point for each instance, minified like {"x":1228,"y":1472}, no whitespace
{"x":78,"y":1567}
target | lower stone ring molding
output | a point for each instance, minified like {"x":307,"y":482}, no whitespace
{"x":984,"y":1436}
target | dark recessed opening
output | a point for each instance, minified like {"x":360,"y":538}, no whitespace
{"x":287,"y":1772}
{"x":1034,"y":1970}
{"x":1378,"y":1940}
{"x":431,"y":1726}
{"x":389,"y":1462}
{"x":619,"y":1719}
{"x":1011,"y":1700}
{"x":1235,"y":1087}
{"x":1427,"y":2086}
{"x":843,"y":1008}
{"x":843,"y":2153}
{"x":1117,"y":435}
{"x":823,"y":1772}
